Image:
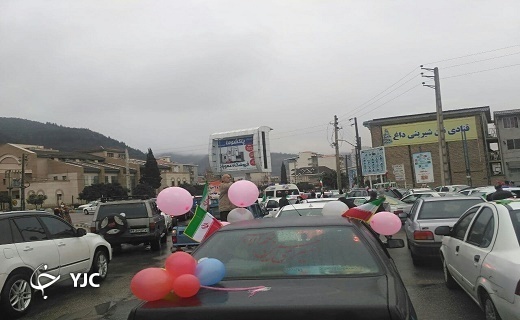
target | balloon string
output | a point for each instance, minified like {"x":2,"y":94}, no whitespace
{"x":252,"y":290}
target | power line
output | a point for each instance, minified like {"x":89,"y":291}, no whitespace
{"x":465,"y":74}
{"x":474,"y":54}
{"x":476,"y":61}
{"x":389,"y":100}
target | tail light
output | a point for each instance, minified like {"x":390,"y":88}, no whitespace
{"x":423,"y":235}
{"x":398,"y":211}
{"x":174,"y":236}
{"x":517,"y":291}
{"x":152,"y":226}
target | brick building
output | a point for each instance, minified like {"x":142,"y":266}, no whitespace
{"x":508,"y":132}
{"x":404,"y":136}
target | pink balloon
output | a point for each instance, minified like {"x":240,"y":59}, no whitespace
{"x":385,"y":223}
{"x":151,"y":284}
{"x":179,"y":263}
{"x":186,"y":286}
{"x":174,"y":201}
{"x":243,"y":193}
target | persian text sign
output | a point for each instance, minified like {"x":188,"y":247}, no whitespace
{"x":237,"y":153}
{"x":373,"y":161}
{"x":423,"y":166}
{"x":426,"y":132}
{"x":399,"y":172}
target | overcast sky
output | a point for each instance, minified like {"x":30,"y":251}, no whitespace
{"x":167,"y":74}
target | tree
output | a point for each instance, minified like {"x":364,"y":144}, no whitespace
{"x":36,"y":199}
{"x":143,"y":189}
{"x":151,"y":175}
{"x":283,"y":174}
{"x":5,"y":201}
{"x":102,"y":190}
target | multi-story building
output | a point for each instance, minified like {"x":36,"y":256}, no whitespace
{"x":309,"y":166}
{"x":411,"y":142}
{"x":508,"y":134}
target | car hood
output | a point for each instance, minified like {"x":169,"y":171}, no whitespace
{"x":323,"y":298}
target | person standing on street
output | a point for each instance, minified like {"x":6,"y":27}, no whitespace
{"x":283,"y":201}
{"x":224,"y":205}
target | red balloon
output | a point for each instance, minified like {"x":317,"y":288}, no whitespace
{"x":151,"y":284}
{"x":186,"y":285}
{"x":179,"y":263}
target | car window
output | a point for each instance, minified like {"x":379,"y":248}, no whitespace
{"x":155,"y":208}
{"x":131,"y":210}
{"x":459,"y":229}
{"x":30,"y":229}
{"x":515,"y":218}
{"x":446,"y":209}
{"x":409,"y":199}
{"x":413,"y":210}
{"x":271,"y":204}
{"x":481,"y":232}
{"x":5,"y":232}
{"x":57,"y":228}
{"x":300,"y":212}
{"x":291,"y":252}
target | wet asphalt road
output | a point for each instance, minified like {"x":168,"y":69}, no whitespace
{"x":113,"y":299}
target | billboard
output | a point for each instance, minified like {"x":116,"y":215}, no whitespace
{"x":423,"y":167}
{"x":373,"y":161}
{"x":244,"y":150}
{"x":426,"y":132}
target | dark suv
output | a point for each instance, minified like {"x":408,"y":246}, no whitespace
{"x":130,"y":221}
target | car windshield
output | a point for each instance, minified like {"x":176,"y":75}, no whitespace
{"x":291,"y":212}
{"x":282,"y":193}
{"x":131,"y":210}
{"x":515,"y":217}
{"x":290,"y":252}
{"x":446,"y":209}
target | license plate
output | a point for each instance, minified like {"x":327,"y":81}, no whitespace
{"x":139,"y":230}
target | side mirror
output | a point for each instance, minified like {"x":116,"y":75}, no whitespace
{"x":80,"y":232}
{"x":443,"y":231}
{"x":394,"y":243}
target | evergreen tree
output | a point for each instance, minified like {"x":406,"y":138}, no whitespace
{"x":143,"y":189}
{"x":151,"y":175}
{"x":36,"y":199}
{"x":101,"y":190}
{"x":283,"y":174}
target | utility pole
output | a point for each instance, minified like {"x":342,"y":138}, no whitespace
{"x":9,"y":189}
{"x":358,"y":155}
{"x":336,"y":146}
{"x":127,"y":170}
{"x":346,"y":174}
{"x":466,"y":158}
{"x":443,"y":151}
{"x":22,"y":184}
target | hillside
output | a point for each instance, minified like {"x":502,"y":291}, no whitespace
{"x":58,"y":137}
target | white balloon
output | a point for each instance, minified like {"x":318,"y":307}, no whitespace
{"x":334,"y":208}
{"x":239,"y":214}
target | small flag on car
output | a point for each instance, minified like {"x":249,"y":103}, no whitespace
{"x":364,"y":211}
{"x":202,"y":225}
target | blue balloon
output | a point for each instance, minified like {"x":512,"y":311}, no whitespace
{"x":210,"y":271}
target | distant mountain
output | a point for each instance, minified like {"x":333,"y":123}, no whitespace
{"x":58,"y":137}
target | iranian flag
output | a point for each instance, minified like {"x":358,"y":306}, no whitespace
{"x":204,"y":202}
{"x":202,"y":225}
{"x":364,"y":211}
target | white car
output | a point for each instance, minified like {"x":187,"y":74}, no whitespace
{"x":31,"y":240}
{"x":481,"y":253}
{"x":168,"y":220}
{"x":83,"y":206}
{"x":301,"y":209}
{"x":89,"y":207}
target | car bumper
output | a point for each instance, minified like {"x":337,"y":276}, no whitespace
{"x":133,"y":239}
{"x":426,"y":249}
{"x":507,"y":310}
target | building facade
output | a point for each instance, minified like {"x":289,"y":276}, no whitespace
{"x":508,"y":133}
{"x":411,"y":144}
{"x":309,"y":166}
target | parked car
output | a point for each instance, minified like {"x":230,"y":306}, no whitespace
{"x":428,"y":214}
{"x":452,"y":188}
{"x":481,"y":254}
{"x":302,"y":209}
{"x":410,"y":198}
{"x":400,"y":208}
{"x":309,"y":275}
{"x":83,"y":206}
{"x":181,"y":241}
{"x":29,"y":239}
{"x":90,"y":207}
{"x":134,"y":221}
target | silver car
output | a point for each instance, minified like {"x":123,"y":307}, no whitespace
{"x":425,"y":216}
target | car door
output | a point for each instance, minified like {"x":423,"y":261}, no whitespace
{"x":408,"y":224}
{"x":34,"y":244}
{"x":455,"y":240}
{"x":74,"y":251}
{"x":476,"y":247}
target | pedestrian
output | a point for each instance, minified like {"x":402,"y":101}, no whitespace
{"x":500,"y":193}
{"x":65,"y":213}
{"x":57,"y":212}
{"x":224,"y":204}
{"x":283,"y":201}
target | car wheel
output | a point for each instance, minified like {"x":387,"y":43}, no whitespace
{"x":448,"y":279}
{"x":155,"y":245}
{"x":17,"y":295}
{"x":100,"y":264}
{"x":490,"y":311}
{"x":85,"y":211}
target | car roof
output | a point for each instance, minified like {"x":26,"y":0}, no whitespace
{"x":305,"y":205}
{"x":310,"y":221}
{"x":433,"y":199}
{"x":20,"y":213}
